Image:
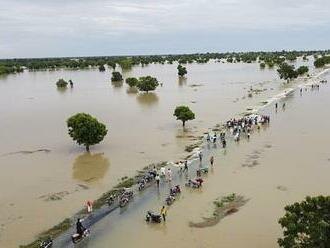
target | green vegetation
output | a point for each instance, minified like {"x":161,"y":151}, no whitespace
{"x":321,"y":62}
{"x":4,"y":69}
{"x":262,"y":65}
{"x":86,"y":130}
{"x":147,"y":83}
{"x":287,"y":71}
{"x":181,"y":70}
{"x":101,"y":68}
{"x":306,"y":224}
{"x":223,"y":207}
{"x":302,"y":70}
{"x":116,"y":76}
{"x":126,"y":62}
{"x":61,"y":83}
{"x":132,"y":81}
{"x":183,"y":113}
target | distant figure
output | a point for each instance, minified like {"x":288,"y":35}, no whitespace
{"x":283,"y":106}
{"x":200,"y":155}
{"x":89,"y":206}
{"x":301,"y":90}
{"x":157,"y":180}
{"x":208,"y":138}
{"x":212,"y":160}
{"x":71,"y":83}
{"x":163,"y":213}
{"x":224,"y":143}
{"x":276,"y":106}
{"x":80,"y":228}
{"x":169,"y":175}
{"x":185,"y":165}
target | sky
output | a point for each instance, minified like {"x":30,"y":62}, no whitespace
{"x":62,"y":28}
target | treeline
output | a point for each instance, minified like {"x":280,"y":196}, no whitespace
{"x":4,"y":69}
{"x":126,"y":62}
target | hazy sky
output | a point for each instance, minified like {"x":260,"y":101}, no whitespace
{"x":41,"y":28}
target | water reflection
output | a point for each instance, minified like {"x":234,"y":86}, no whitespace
{"x":147,"y":99}
{"x":90,"y":167}
{"x":132,"y":90}
{"x":117,"y":84}
{"x":62,"y":90}
{"x":182,"y":81}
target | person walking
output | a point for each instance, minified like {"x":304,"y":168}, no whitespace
{"x":157,"y":180}
{"x":89,"y":206}
{"x":163,"y":213}
{"x":185,"y":166}
{"x":200,"y":155}
{"x":212,"y":160}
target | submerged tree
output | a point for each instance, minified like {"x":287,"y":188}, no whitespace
{"x":302,"y":70}
{"x":307,"y":224}
{"x":101,"y":68}
{"x":183,"y":113}
{"x":147,"y":83}
{"x":181,"y":70}
{"x":132,"y":81}
{"x":61,"y":83}
{"x":116,"y":76}
{"x":287,"y":71}
{"x":86,"y":130}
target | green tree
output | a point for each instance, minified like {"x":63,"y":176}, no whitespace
{"x":116,"y":76}
{"x":132,"y":81}
{"x":306,"y":224}
{"x":183,"y":113}
{"x":147,"y":83}
{"x":302,"y":70}
{"x":262,"y":65}
{"x":86,"y":130}
{"x":101,"y":68}
{"x":287,"y":71}
{"x":181,"y":70}
{"x":61,"y":83}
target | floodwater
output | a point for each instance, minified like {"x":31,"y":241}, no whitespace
{"x":39,"y":189}
{"x":292,"y":161}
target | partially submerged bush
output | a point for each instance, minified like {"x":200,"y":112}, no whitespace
{"x":61,"y":83}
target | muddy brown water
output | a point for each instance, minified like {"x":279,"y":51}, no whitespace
{"x":293,"y":162}
{"x":141,"y":130}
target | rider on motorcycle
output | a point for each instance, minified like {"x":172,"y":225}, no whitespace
{"x":80,"y":228}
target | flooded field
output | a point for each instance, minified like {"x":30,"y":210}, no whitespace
{"x":45,"y":177}
{"x":292,"y":160}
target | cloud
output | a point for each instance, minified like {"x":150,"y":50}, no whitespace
{"x":26,"y":25}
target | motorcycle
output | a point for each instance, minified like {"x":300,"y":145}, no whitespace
{"x":152,"y":217}
{"x":77,"y":237}
{"x":197,"y":183}
{"x":142,"y":185}
{"x":169,"y":200}
{"x":175,"y":190}
{"x":46,"y":243}
{"x":125,"y":198}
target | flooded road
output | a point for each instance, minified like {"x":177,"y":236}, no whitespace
{"x":142,"y":130}
{"x":292,"y":161}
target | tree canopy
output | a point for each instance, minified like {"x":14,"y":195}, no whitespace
{"x":306,"y":224}
{"x":132,"y":81}
{"x":61,"y":83}
{"x":86,"y":130}
{"x":183,"y":113}
{"x":322,"y":61}
{"x":181,"y":70}
{"x":302,"y":70}
{"x":287,"y":71}
{"x":147,"y":83}
{"x":116,"y":76}
{"x":101,"y":68}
